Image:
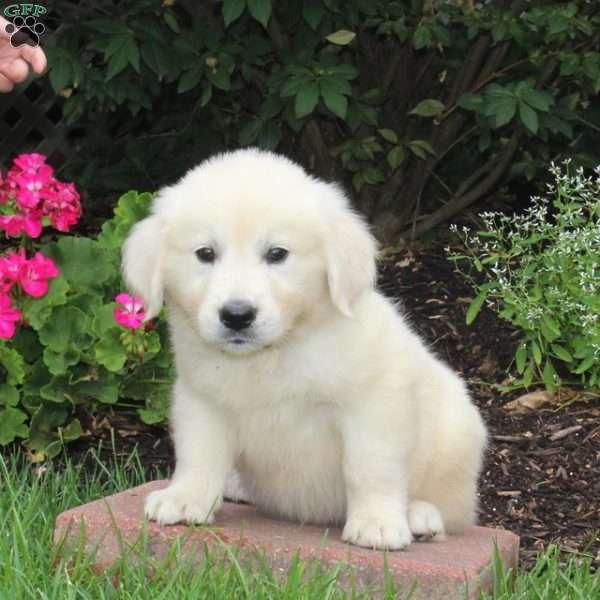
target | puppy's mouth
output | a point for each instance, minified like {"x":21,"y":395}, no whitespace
{"x":239,"y":343}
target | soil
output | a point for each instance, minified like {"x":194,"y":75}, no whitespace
{"x":541,"y":478}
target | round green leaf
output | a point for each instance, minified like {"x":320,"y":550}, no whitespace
{"x":12,"y":425}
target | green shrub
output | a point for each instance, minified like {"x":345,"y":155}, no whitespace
{"x":62,"y":349}
{"x":541,"y":273}
{"x":423,"y":107}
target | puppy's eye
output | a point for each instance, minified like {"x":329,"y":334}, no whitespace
{"x":276,"y":254}
{"x":205,"y":255}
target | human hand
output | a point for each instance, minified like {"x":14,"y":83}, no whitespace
{"x":14,"y":62}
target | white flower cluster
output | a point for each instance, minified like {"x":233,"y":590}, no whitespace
{"x":543,"y":263}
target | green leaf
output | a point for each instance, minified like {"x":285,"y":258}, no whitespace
{"x":341,"y":37}
{"x":190,"y":79}
{"x":422,"y":37}
{"x":549,"y":376}
{"x":13,"y":364}
{"x":313,"y":12}
{"x":428,"y":108}
{"x":68,"y":329}
{"x":421,"y":148}
{"x":82,"y":261}
{"x":470,"y":101}
{"x":306,"y":100}
{"x":294,"y":84}
{"x":260,"y":10}
{"x":72,"y":431}
{"x":528,"y":117}
{"x":58,"y":389}
{"x":336,"y":103}
{"x":561,"y":353}
{"x":336,"y":84}
{"x":12,"y":425}
{"x":110,"y":353}
{"x":37,"y":312}
{"x":521,"y":357}
{"x":395,"y":157}
{"x":171,"y":21}
{"x":45,"y":421}
{"x":585,"y":364}
{"x":59,"y":362}
{"x":220,"y":78}
{"x":105,"y":390}
{"x":9,"y":395}
{"x":502,"y":110}
{"x":388,"y":135}
{"x":476,"y":306}
{"x":103,"y":320}
{"x":61,"y":74}
{"x":537,"y":353}
{"x":121,"y":51}
{"x":549,"y":332}
{"x":232,"y":10}
{"x":109,"y":26}
{"x":538,"y":99}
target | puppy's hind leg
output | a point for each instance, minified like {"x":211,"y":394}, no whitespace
{"x":234,"y":490}
{"x":425,"y":521}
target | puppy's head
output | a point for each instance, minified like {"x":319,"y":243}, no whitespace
{"x":248,"y":246}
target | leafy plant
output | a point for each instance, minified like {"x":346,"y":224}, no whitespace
{"x":66,"y":343}
{"x":540,"y":273}
{"x":422,"y":107}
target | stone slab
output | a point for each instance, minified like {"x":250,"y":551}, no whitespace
{"x":458,"y":567}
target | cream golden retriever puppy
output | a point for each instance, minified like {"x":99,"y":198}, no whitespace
{"x":292,"y":370}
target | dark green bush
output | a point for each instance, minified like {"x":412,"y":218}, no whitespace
{"x":422,"y":107}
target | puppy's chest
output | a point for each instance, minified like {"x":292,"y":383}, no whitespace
{"x":246,"y":387}
{"x":281,"y":434}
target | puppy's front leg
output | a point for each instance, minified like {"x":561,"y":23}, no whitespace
{"x":204,"y":454}
{"x":376,"y":476}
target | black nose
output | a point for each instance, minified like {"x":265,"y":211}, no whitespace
{"x":237,"y":315}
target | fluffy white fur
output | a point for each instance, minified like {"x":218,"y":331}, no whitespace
{"x":329,"y":407}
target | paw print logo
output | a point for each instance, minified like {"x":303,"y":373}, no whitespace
{"x":25,"y":31}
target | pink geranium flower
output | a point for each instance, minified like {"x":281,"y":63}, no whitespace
{"x":31,"y":163}
{"x":35,"y":274}
{"x":11,"y":267}
{"x":62,"y":205}
{"x":9,"y":317}
{"x":132,"y":313}
{"x":28,"y":223}
{"x":31,"y":193}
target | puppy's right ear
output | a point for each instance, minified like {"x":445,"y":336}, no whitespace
{"x":142,"y":257}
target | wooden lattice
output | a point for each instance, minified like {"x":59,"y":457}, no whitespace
{"x":31,"y":121}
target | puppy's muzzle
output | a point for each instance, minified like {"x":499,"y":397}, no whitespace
{"x":237,"y":315}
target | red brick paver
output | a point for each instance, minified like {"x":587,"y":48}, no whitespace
{"x":110,"y":527}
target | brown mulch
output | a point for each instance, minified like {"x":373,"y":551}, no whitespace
{"x":542,"y":473}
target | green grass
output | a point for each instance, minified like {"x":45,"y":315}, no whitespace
{"x":31,"y":568}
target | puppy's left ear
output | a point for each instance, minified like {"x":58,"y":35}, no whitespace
{"x":141,"y":265}
{"x":351,"y":251}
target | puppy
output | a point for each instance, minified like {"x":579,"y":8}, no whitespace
{"x":291,"y":368}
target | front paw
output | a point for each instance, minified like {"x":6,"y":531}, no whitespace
{"x":181,"y":504}
{"x":381,"y":534}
